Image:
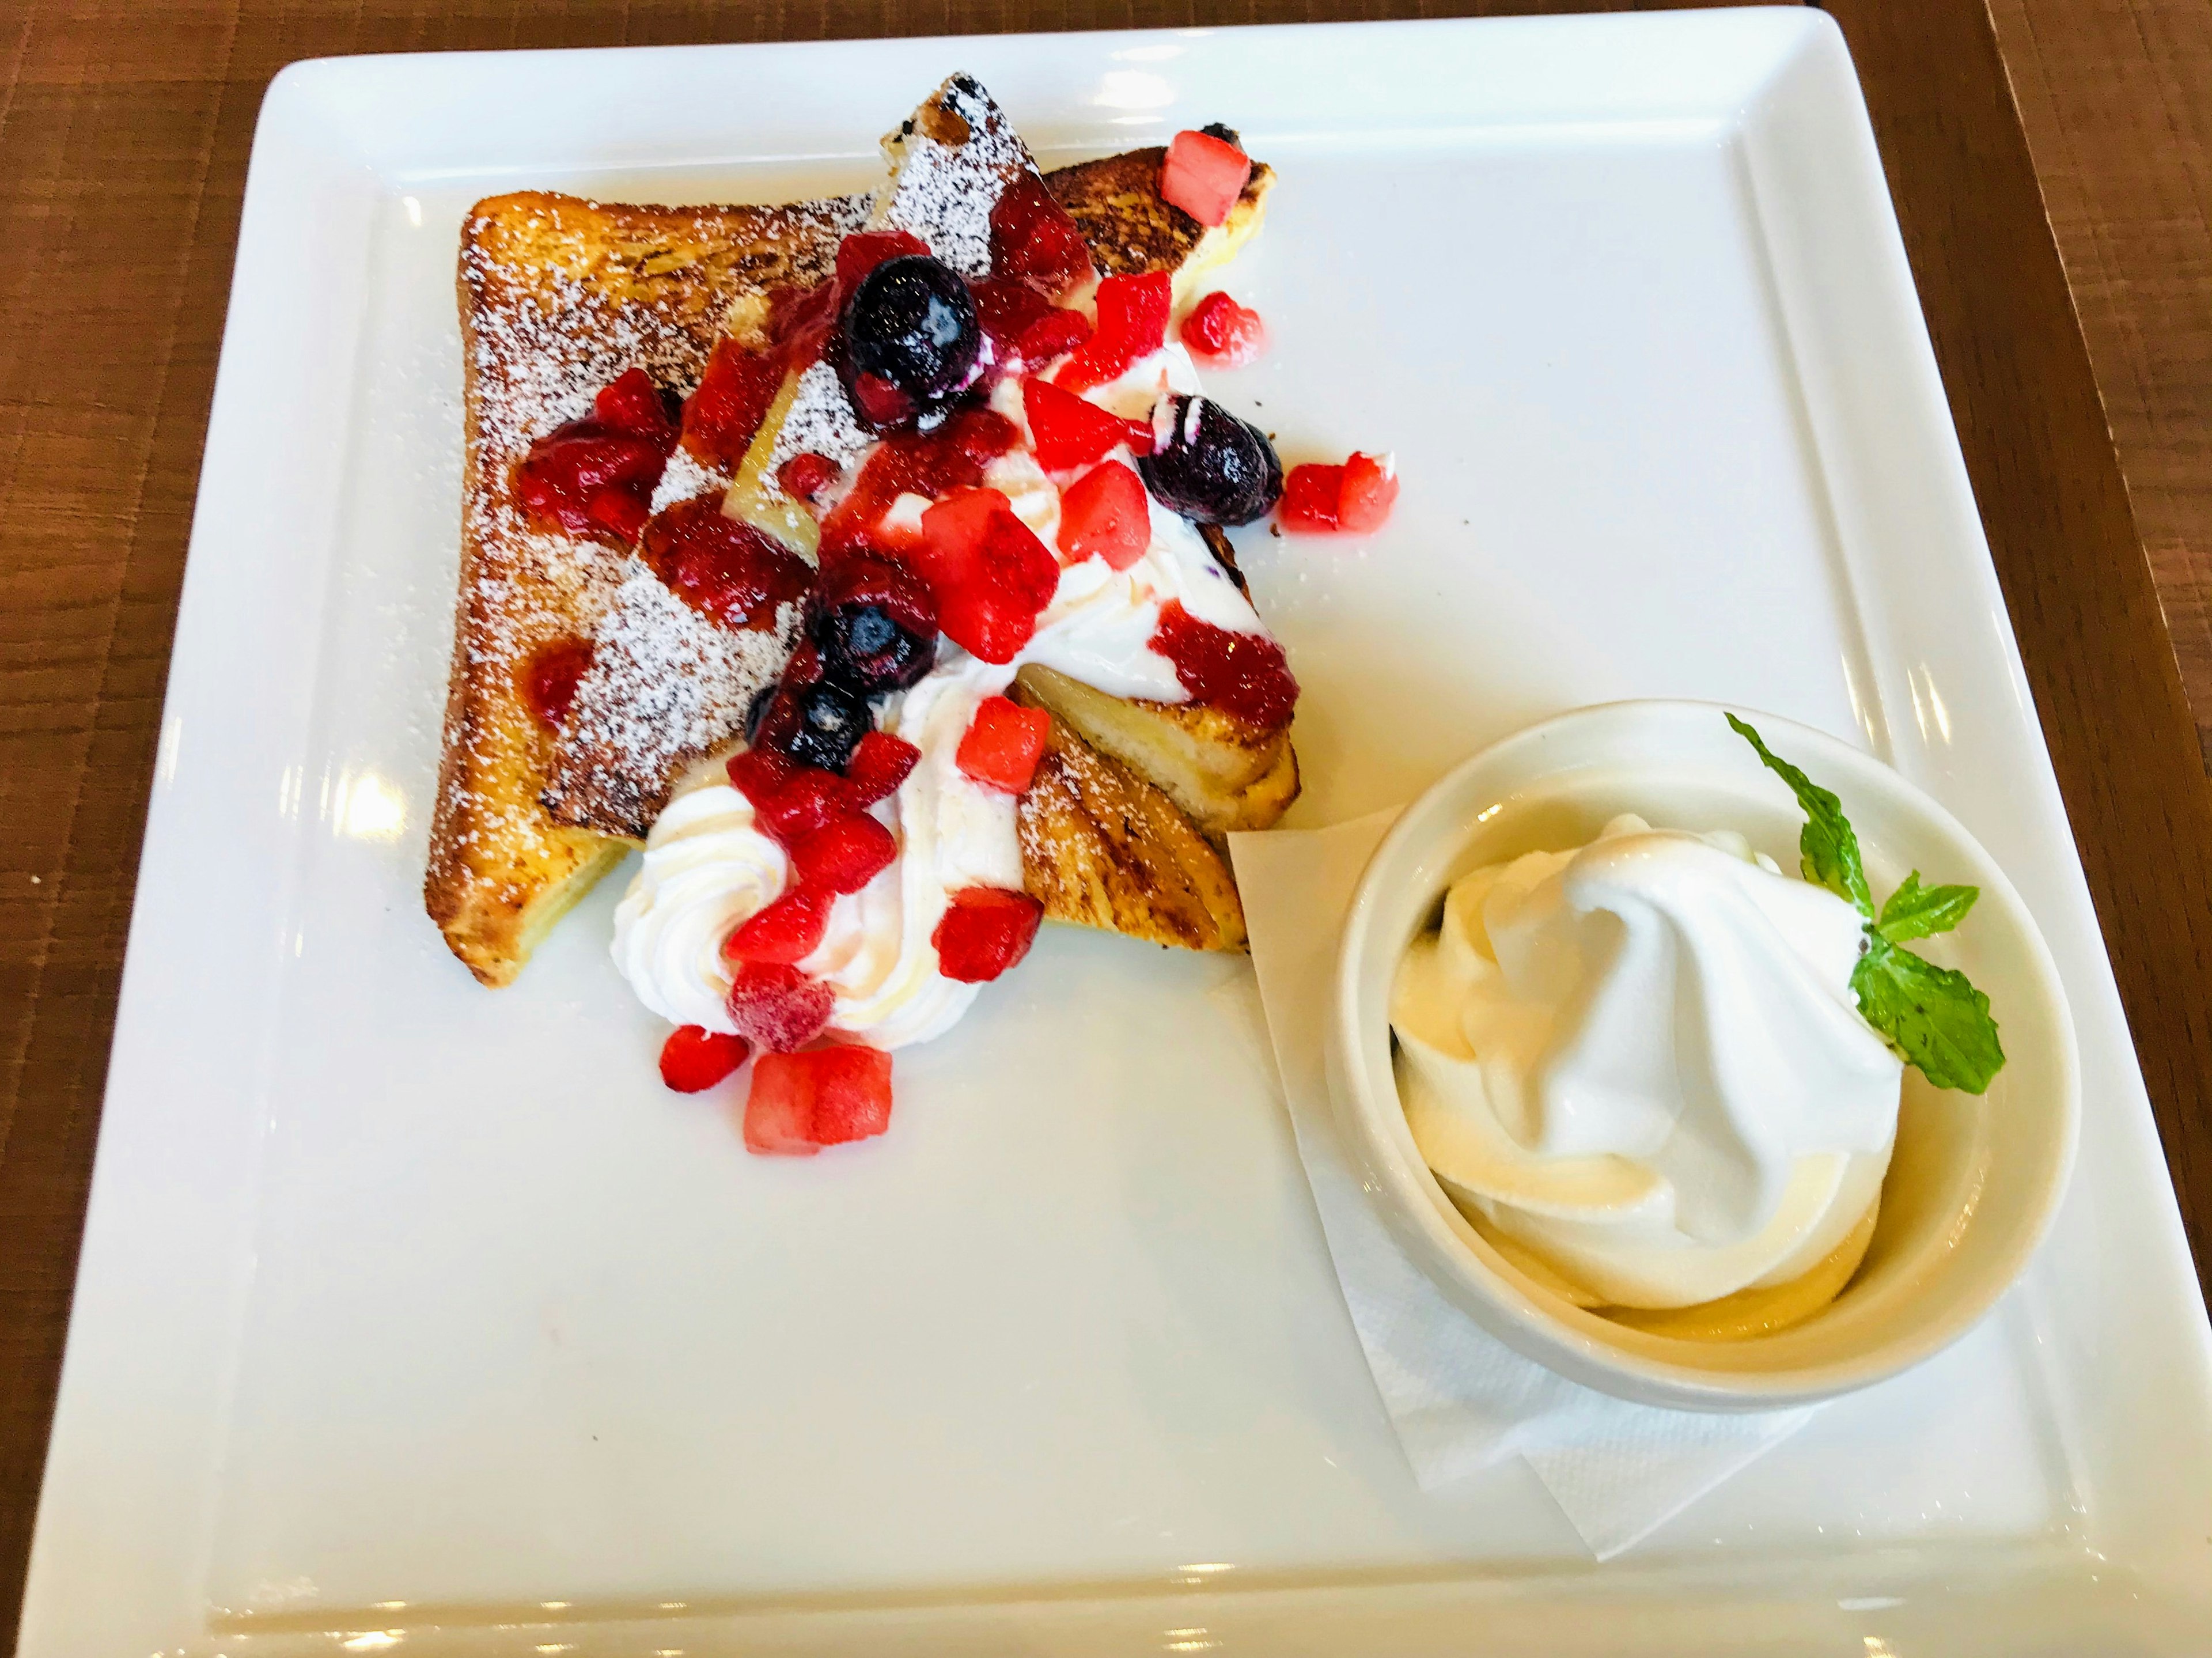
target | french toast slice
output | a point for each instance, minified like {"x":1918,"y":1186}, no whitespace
{"x":560,"y":296}
{"x":557,"y":297}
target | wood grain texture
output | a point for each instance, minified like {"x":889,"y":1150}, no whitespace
{"x":2116,"y":99}
{"x":124,"y":133}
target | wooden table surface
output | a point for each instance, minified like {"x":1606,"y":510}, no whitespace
{"x":2051,"y":161}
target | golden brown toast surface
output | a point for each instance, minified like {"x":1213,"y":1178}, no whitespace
{"x":1101,"y":847}
{"x":557,"y":297}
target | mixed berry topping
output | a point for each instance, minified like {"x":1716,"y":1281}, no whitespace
{"x":1034,"y":242}
{"x":875,"y":622}
{"x":723,"y":416}
{"x":594,"y":478}
{"x":722,"y":567}
{"x":912,"y":341}
{"x":985,"y":930}
{"x":1067,"y":432}
{"x":1209,"y":465}
{"x":1003,"y":744}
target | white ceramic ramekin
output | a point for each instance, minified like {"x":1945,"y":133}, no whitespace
{"x":1974,"y":1180}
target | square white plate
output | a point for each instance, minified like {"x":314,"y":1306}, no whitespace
{"x":424,"y":1316}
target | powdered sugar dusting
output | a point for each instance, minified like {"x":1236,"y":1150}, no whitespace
{"x":666,"y":685}
{"x":687,"y":476}
{"x":821,"y":421}
{"x":943,"y":192}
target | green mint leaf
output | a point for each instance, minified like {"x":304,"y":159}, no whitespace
{"x":1932,"y":1015}
{"x":1916,"y":912}
{"x":1829,"y":851}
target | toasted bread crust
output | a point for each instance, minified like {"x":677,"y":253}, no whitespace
{"x":1117,"y":205}
{"x":1101,"y":847}
{"x":557,"y":297}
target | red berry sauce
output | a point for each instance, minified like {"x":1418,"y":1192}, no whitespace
{"x":720,"y":566}
{"x":550,"y":676}
{"x":594,"y":478}
{"x":1243,"y":674}
{"x":929,"y":464}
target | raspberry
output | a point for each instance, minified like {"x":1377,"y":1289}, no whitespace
{"x":1310,"y":498}
{"x":1133,"y":323}
{"x":1105,"y":512}
{"x":757,"y":774}
{"x":800,"y":1102}
{"x":1004,"y":744}
{"x":1369,"y":491}
{"x":777,"y":1008}
{"x":722,"y":417}
{"x":843,"y":856}
{"x":805,"y":475}
{"x":1223,"y":334}
{"x":880,"y":763}
{"x":1069,"y":434}
{"x":695,"y":1057}
{"x":1204,"y":175}
{"x":984,"y":931}
{"x":789,"y":930}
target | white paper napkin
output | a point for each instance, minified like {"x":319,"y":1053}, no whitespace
{"x":1459,"y":1398}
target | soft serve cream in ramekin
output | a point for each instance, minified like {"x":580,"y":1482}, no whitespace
{"x":1638,"y":1069}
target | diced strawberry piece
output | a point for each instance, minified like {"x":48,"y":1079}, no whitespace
{"x":880,"y":762}
{"x":991,"y":572}
{"x":1105,"y":513}
{"x":800,"y":1102}
{"x":805,"y":475}
{"x":1223,"y":334}
{"x":801,"y":806}
{"x":757,"y":774}
{"x":1310,"y":499}
{"x":1369,"y":491}
{"x":723,"y":417}
{"x":984,"y":931}
{"x":1059,"y":331}
{"x":789,"y":930}
{"x":843,"y":856}
{"x":777,"y":1008}
{"x":549,"y":678}
{"x":852,"y":1093}
{"x":1069,"y":434}
{"x":695,"y":1057}
{"x":779,"y":1120}
{"x":1003,"y":744}
{"x":862,"y":250}
{"x":1034,"y":241}
{"x":1133,"y":323}
{"x":632,"y":403}
{"x":1204,"y":175}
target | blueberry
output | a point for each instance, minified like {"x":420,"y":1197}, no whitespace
{"x":911,"y":340}
{"x":1223,"y":131}
{"x":832,"y":719}
{"x":1209,"y":466}
{"x":866,"y":647}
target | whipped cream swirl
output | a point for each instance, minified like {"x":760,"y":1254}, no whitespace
{"x":1640,"y":1064}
